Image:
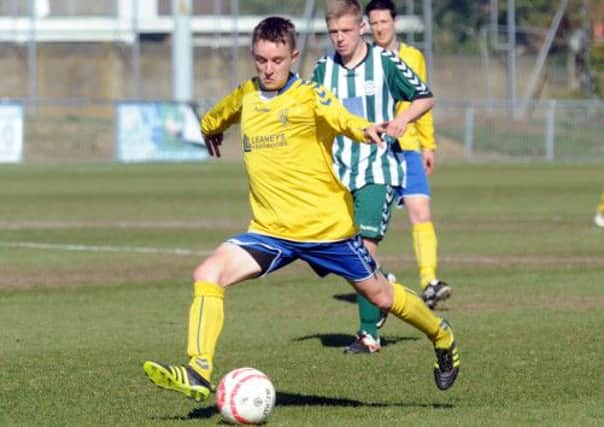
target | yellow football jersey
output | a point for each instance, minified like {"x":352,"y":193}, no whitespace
{"x":286,"y":142}
{"x":419,"y":135}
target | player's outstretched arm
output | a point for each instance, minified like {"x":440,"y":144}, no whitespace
{"x":417,"y":108}
{"x":373,"y":133}
{"x":220,"y":117}
{"x":338,"y":119}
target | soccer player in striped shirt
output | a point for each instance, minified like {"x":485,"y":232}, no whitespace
{"x":300,"y":210}
{"x":418,"y":149}
{"x":370,"y":81}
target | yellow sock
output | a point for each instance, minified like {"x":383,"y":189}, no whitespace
{"x":410,"y":308}
{"x":205,"y":325}
{"x":601,"y":205}
{"x":425,"y":246}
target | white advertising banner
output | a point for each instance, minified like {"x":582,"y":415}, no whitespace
{"x":158,"y":131}
{"x":11,"y":132}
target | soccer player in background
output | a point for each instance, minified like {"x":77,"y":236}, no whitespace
{"x":300,"y":210}
{"x":369,"y":81}
{"x":599,"y":218}
{"x":418,"y":150}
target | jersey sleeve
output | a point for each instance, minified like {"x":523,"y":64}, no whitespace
{"x":318,"y":73}
{"x":404,"y":83}
{"x":333,"y":115}
{"x":425,"y":124}
{"x":225,"y":113}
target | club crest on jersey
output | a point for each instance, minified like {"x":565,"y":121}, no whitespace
{"x":283,"y":116}
{"x":369,"y":88}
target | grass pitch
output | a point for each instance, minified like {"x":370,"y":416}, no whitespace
{"x":95,"y":266}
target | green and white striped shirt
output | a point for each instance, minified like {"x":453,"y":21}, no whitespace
{"x":370,"y":90}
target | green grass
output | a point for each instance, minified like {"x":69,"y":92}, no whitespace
{"x":517,"y":244}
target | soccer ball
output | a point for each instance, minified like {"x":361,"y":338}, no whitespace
{"x":245,"y":396}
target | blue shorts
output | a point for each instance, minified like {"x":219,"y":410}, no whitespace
{"x":417,"y":180}
{"x":346,"y":258}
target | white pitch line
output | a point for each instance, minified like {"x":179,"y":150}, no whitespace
{"x":96,"y":248}
{"x":506,"y":260}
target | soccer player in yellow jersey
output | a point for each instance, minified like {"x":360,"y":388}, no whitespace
{"x":599,"y":218}
{"x":418,"y":148}
{"x":300,"y":210}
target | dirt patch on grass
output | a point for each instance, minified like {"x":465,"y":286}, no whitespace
{"x":173,"y":269}
{"x":178,"y":267}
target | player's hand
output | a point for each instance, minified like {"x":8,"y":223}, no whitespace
{"x":396,"y":128}
{"x":213,"y":143}
{"x":373,"y":133}
{"x":429,"y":161}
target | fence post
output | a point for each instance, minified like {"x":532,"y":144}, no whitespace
{"x":32,"y":61}
{"x":550,"y":127}
{"x":469,"y":131}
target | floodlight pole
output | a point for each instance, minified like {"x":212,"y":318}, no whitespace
{"x":32,"y":60}
{"x":409,"y":6}
{"x":309,"y":14}
{"x":135,"y":53}
{"x":428,"y":39}
{"x":511,"y":18}
{"x":533,"y":80}
{"x":235,"y":48}
{"x":182,"y":52}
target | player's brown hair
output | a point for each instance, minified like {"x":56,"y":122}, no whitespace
{"x":381,"y":5}
{"x":277,"y":30}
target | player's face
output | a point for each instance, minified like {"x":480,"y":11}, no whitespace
{"x":273,"y":63}
{"x":381,"y":24}
{"x":345,"y":34}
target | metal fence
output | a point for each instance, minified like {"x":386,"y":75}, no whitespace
{"x":68,"y":87}
{"x":552,"y":131}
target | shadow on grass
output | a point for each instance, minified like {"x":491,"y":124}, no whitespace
{"x":296,"y":399}
{"x":342,"y":340}
{"x":352,"y":299}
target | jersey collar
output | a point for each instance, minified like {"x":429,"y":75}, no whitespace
{"x":338,"y":58}
{"x":290,"y":81}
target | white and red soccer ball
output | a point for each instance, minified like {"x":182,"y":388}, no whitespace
{"x":245,"y":396}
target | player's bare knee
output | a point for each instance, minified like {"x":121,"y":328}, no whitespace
{"x":383,"y":301}
{"x":380,"y":297}
{"x":209,"y":270}
{"x":419,"y":213}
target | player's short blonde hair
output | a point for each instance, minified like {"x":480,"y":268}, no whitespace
{"x":335,"y":9}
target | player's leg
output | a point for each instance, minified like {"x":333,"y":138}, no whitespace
{"x":416,"y":197}
{"x":372,"y":211}
{"x":351,"y":260}
{"x":228,"y":265}
{"x":234,"y":261}
{"x":406,"y":305}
